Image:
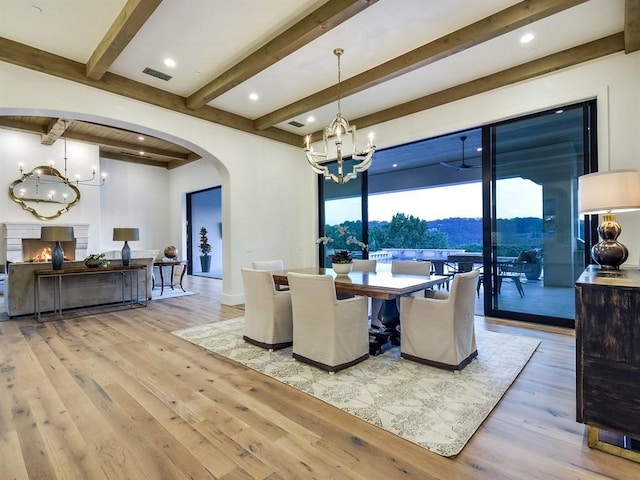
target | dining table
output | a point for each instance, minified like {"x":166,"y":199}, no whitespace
{"x":385,"y":286}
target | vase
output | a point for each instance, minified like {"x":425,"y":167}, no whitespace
{"x":342,"y":268}
{"x":205,"y":263}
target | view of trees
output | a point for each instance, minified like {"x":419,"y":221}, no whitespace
{"x":407,"y":231}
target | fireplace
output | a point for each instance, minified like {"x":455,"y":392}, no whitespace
{"x":24,"y":245}
{"x":35,"y":250}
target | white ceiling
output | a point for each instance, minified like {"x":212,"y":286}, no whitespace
{"x":207,"y":37}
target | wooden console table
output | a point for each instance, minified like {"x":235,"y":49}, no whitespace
{"x":121,"y":271}
{"x":608,"y":359}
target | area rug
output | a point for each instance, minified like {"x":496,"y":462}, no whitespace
{"x":436,"y":409}
{"x":168,"y":293}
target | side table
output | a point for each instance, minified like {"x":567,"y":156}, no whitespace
{"x":172,"y":264}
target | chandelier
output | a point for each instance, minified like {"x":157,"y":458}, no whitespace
{"x":47,"y":175}
{"x":339,"y":130}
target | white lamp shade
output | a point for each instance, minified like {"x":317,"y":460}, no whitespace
{"x":609,"y":192}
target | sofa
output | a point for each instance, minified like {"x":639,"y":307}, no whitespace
{"x":77,"y":291}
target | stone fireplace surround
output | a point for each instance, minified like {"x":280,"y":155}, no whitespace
{"x":15,"y":232}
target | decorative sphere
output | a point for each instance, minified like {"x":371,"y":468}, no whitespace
{"x":171,"y":252}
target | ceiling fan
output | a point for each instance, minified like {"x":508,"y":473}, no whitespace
{"x":463,"y":165}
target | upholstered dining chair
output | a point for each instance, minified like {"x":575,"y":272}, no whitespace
{"x":364,"y":265}
{"x":271,"y":266}
{"x":440,"y":331}
{"x":268,"y":319}
{"x":328,"y":333}
{"x":412,"y":268}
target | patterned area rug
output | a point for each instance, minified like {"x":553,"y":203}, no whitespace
{"x":435,"y":409}
{"x":168,"y":293}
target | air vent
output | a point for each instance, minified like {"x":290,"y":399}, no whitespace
{"x":157,"y":74}
{"x":293,"y":123}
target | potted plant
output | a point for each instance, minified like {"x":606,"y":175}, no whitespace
{"x":532,"y":260}
{"x":205,"y":250}
{"x":341,"y":262}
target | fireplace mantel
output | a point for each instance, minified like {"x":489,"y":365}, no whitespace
{"x":15,"y":232}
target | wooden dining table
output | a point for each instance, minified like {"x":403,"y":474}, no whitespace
{"x":381,"y":285}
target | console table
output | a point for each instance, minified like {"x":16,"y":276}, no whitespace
{"x":121,"y":272}
{"x":608,"y":359}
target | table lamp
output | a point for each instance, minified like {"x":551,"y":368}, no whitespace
{"x":125,"y":235}
{"x":609,"y":193}
{"x":56,"y":234}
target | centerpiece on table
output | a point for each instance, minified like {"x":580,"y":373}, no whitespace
{"x":341,"y":260}
{"x":96,"y":260}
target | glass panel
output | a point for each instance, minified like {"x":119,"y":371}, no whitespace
{"x":537,"y":249}
{"x":342,"y":207}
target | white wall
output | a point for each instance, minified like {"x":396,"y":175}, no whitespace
{"x":269,"y":193}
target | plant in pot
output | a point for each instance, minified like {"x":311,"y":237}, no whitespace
{"x":205,"y":250}
{"x":532,"y":260}
{"x":341,"y":262}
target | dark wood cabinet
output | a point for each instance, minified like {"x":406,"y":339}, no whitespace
{"x":608,"y":351}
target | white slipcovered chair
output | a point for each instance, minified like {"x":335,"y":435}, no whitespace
{"x":268,"y":316}
{"x":440,"y":331}
{"x":271,"y":266}
{"x":328,"y":333}
{"x":366,"y":266}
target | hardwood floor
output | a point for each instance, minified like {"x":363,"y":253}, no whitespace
{"x":115,"y":396}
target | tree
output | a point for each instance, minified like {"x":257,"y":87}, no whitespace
{"x":412,"y":232}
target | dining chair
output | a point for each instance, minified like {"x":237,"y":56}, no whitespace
{"x":271,"y":266}
{"x":364,"y":265}
{"x":440,"y":331}
{"x":268,"y":319}
{"x":412,"y":268}
{"x":328,"y":333}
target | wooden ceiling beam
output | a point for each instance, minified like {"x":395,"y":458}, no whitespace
{"x":328,"y":16}
{"x":132,"y":17}
{"x":632,"y":26}
{"x":45,"y":62}
{"x":551,"y":63}
{"x":133,"y":159}
{"x":132,"y":147}
{"x":55,"y":129}
{"x":505,"y":21}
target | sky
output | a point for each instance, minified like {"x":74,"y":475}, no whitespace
{"x":515,"y":198}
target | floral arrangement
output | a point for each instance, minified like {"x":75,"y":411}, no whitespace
{"x":342,"y":256}
{"x":96,"y":259}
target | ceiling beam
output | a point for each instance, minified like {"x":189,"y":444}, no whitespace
{"x":505,"y":21}
{"x":133,"y":159}
{"x":19,"y":126}
{"x":132,"y":147}
{"x":328,"y":16}
{"x":55,"y":129}
{"x":45,"y":62}
{"x":557,"y":61}
{"x":632,"y":26}
{"x":132,"y":17}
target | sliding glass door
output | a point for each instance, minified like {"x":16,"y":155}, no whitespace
{"x":537,"y":245}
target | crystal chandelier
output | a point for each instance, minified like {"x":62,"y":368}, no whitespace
{"x":46,"y":175}
{"x":338,"y":129}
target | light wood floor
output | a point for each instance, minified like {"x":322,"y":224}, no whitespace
{"x":115,"y":396}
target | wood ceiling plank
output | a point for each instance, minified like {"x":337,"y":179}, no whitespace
{"x":328,"y":16}
{"x":567,"y":58}
{"x":133,"y":147}
{"x":55,"y":129}
{"x":132,"y":159}
{"x":632,"y":26}
{"x":132,"y":17}
{"x":45,"y":62}
{"x":22,"y":126}
{"x":488,"y":28}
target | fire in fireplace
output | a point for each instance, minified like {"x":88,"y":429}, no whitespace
{"x":35,"y":250}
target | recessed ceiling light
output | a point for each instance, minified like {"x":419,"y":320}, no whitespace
{"x":141,"y":153}
{"x":141,"y":138}
{"x":169,"y":62}
{"x":311,"y":119}
{"x":559,"y":111}
{"x":527,"y":37}
{"x":253,"y":96}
